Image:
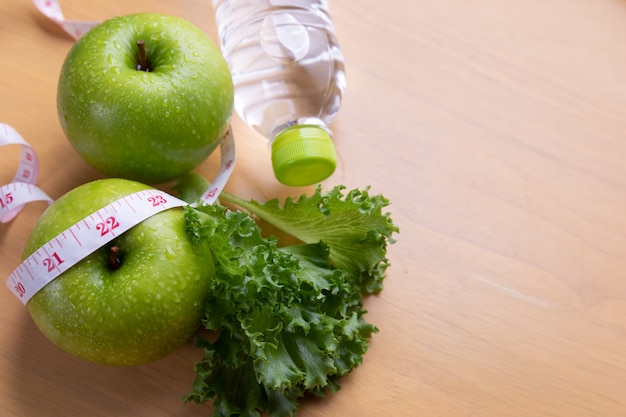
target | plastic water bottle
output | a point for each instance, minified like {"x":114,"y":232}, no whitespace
{"x":288,"y":72}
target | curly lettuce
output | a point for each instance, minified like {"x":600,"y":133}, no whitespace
{"x":290,"y":318}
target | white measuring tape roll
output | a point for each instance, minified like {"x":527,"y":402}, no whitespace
{"x":22,"y":189}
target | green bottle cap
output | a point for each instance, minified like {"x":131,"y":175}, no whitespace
{"x":303,"y":155}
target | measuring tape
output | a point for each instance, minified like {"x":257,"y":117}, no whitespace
{"x":52,"y":10}
{"x":96,"y":230}
{"x":84,"y":238}
{"x":22,"y":189}
{"x":99,"y":228}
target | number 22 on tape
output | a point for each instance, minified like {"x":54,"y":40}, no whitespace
{"x":85,"y":237}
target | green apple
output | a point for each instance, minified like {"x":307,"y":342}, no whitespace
{"x":145,"y":97}
{"x":132,"y":301}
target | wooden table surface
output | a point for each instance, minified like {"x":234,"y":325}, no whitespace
{"x":497,"y":128}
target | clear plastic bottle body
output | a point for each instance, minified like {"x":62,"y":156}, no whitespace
{"x":287,"y":67}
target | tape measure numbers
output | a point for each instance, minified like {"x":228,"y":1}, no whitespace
{"x":85,"y":237}
{"x":22,"y":189}
{"x":88,"y":235}
{"x":96,"y":230}
{"x":14,"y":196}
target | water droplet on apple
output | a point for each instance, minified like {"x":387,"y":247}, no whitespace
{"x":169,"y":251}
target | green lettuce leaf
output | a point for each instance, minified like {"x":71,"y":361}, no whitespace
{"x":289,"y":322}
{"x":289,"y":318}
{"x":352,"y":225}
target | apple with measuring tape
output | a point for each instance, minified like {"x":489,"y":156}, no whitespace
{"x":133,"y":301}
{"x":145,"y":97}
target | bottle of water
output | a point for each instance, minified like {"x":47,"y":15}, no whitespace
{"x":288,"y":72}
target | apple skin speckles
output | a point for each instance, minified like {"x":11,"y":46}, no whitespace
{"x":151,"y":126}
{"x":137,"y":313}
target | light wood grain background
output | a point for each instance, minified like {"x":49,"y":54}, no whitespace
{"x":496,"y":128}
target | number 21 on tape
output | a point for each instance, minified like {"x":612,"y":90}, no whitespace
{"x":85,"y":237}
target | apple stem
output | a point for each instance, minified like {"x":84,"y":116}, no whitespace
{"x":114,"y":259}
{"x":142,"y":65}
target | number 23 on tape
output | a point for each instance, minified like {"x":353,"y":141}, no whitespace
{"x":84,"y":238}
